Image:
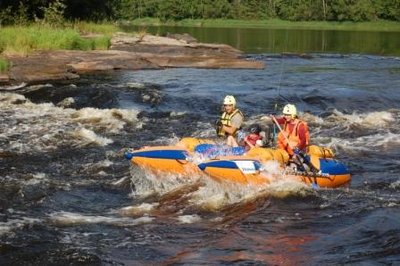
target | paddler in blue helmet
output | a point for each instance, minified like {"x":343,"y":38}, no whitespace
{"x":230,"y":122}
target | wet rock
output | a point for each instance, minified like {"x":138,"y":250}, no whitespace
{"x":38,"y":87}
{"x":13,"y":88}
{"x":4,"y":154}
{"x":300,"y":55}
{"x":152,"y":97}
{"x":4,"y":78}
{"x":67,"y":102}
{"x":182,"y":37}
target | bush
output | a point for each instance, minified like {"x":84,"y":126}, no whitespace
{"x":54,"y":14}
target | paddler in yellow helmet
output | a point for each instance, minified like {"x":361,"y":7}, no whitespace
{"x":230,"y":121}
{"x":294,"y":136}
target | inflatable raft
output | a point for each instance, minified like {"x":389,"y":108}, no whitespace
{"x":226,"y":164}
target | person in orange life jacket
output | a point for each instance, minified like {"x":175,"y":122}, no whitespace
{"x":254,"y":139}
{"x":295,"y":130}
{"x":230,"y":122}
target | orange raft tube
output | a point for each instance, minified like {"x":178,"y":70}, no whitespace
{"x":163,"y":159}
{"x":244,"y":169}
{"x":247,"y":170}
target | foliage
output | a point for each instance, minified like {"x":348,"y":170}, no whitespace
{"x":85,"y":28}
{"x":274,"y":24}
{"x":21,"y":17}
{"x":296,"y":10}
{"x":54,"y":12}
{"x":23,"y":40}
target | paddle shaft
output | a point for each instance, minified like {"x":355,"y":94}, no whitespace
{"x":283,"y":133}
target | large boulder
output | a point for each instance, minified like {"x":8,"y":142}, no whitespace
{"x":127,"y":52}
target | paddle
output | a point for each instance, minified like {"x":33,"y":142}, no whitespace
{"x":314,"y":183}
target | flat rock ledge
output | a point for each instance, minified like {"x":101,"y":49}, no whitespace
{"x":127,"y":52}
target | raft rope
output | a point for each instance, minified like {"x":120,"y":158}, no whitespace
{"x":309,"y":174}
{"x":278,"y":89}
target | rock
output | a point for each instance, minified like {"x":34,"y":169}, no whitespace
{"x":67,"y":102}
{"x":127,"y":52}
{"x":13,"y":88}
{"x":301,"y":55}
{"x":182,"y":37}
{"x":4,"y":78}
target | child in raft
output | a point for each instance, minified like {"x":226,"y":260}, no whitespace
{"x":254,"y":139}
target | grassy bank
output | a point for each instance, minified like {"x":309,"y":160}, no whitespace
{"x":23,"y":40}
{"x":3,"y":65}
{"x":275,"y":24}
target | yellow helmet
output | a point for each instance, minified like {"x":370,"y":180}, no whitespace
{"x":229,"y":99}
{"x":290,"y":109}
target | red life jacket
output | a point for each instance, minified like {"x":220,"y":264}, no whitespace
{"x":252,"y":138}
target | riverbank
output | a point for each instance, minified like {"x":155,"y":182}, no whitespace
{"x":381,"y":25}
{"x":126,"y":52}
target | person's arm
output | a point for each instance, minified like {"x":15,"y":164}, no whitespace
{"x":302,"y":136}
{"x":248,"y":142}
{"x":281,"y":120}
{"x":229,"y":129}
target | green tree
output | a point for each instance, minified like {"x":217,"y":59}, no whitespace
{"x":54,"y":13}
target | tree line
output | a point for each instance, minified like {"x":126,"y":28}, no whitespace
{"x":23,"y":11}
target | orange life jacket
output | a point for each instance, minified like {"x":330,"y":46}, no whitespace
{"x":292,"y":136}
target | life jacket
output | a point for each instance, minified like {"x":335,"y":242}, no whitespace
{"x":292,"y":136}
{"x":252,"y":138}
{"x":226,"y":120}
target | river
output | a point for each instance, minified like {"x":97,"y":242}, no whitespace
{"x":67,"y":195}
{"x":280,"y":40}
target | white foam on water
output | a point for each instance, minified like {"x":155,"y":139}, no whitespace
{"x":373,"y":119}
{"x":271,"y":167}
{"x":71,"y":219}
{"x":109,"y":120}
{"x":379,"y":141}
{"x":215,"y":195}
{"x":135,"y":85}
{"x":138,"y":210}
{"x":282,"y":184}
{"x":36,"y":179}
{"x":43,"y":127}
{"x":189,"y":219}
{"x":177,"y":114}
{"x":395,"y":185}
{"x":122,"y":181}
{"x":287,"y":186}
{"x":87,"y":137}
{"x":146,"y":183}
{"x":15,"y":224}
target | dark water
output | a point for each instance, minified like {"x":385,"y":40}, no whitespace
{"x":256,"y":40}
{"x":66,"y":195}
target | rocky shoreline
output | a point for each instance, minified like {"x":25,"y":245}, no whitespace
{"x":127,"y":52}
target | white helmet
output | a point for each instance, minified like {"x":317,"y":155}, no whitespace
{"x":290,"y":109}
{"x":229,"y":99}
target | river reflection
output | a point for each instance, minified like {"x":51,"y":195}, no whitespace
{"x":255,"y":40}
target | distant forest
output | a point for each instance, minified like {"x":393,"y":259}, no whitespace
{"x":13,"y":12}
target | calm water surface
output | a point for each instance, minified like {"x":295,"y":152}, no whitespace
{"x":254,"y":40}
{"x":67,"y":195}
